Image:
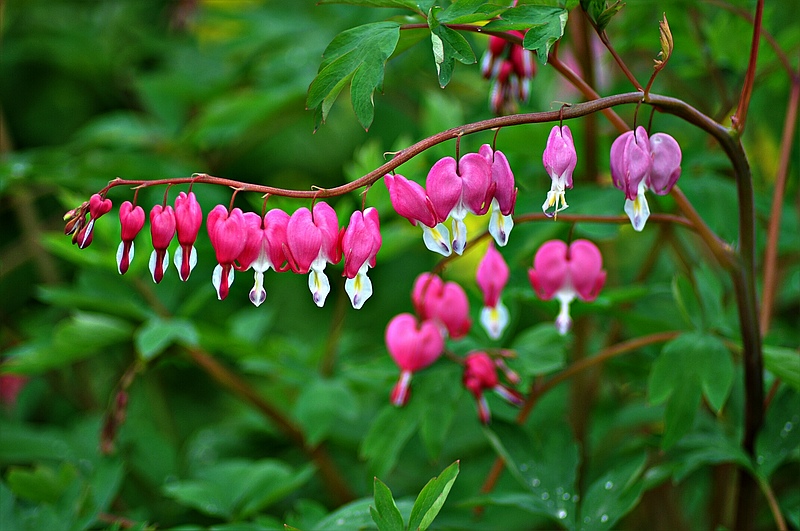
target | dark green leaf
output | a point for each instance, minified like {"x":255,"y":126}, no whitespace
{"x":540,"y":350}
{"x":545,"y":464}
{"x":358,"y":55}
{"x":321,"y":404}
{"x":469,"y":11}
{"x":43,"y":484}
{"x":385,"y":513}
{"x":544,"y":25}
{"x":783,"y":363}
{"x":780,"y":436}
{"x":612,"y":495}
{"x":431,"y":498}
{"x":388,"y":434}
{"x":159,"y":333}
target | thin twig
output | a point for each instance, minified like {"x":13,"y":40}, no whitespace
{"x":747,"y":88}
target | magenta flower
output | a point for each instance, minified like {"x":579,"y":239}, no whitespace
{"x":361,"y":242}
{"x":131,"y":220}
{"x":456,"y":189}
{"x":492,"y":276}
{"x":505,"y":195}
{"x":312,"y":243}
{"x":666,"y":163}
{"x":559,"y":159}
{"x":480,"y":374}
{"x":566,"y":272}
{"x":264,"y":248}
{"x":97,"y":207}
{"x":410,"y":201}
{"x":188,"y":218}
{"x":639,"y":163}
{"x":445,"y":303}
{"x":162,"y":229}
{"x":228,"y":235}
{"x":413,"y":346}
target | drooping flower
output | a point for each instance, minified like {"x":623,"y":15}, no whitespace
{"x":559,"y":159}
{"x":410,"y":201}
{"x":264,"y":248}
{"x":492,"y":276}
{"x":131,"y":221}
{"x":639,"y":163}
{"x":188,"y":218}
{"x":98,"y":206}
{"x":413,"y":345}
{"x":361,"y":242}
{"x":505,"y":195}
{"x":445,"y":303}
{"x":566,"y":272}
{"x":630,"y":163}
{"x":480,"y":374}
{"x":456,"y":189}
{"x":162,"y":229}
{"x":228,"y":235}
{"x":313,"y":243}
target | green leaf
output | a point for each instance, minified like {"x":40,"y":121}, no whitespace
{"x":43,"y":484}
{"x":385,"y":513}
{"x":448,"y":46}
{"x":432,"y":497}
{"x":238,"y":488}
{"x":544,"y":24}
{"x":545,"y":463}
{"x":690,"y":365}
{"x":389,"y":433}
{"x":321,"y":404}
{"x":355,"y":515}
{"x":605,"y":17}
{"x":159,"y":333}
{"x":540,"y":350}
{"x":688,"y":302}
{"x":783,"y":363}
{"x":359,"y":55}
{"x":442,"y":386}
{"x":469,"y":12}
{"x":612,"y":495}
{"x":780,"y":436}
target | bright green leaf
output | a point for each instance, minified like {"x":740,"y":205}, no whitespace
{"x":385,"y":513}
{"x":43,"y":484}
{"x":469,"y":12}
{"x":783,"y":363}
{"x":448,"y":46}
{"x":432,"y":497}
{"x":359,"y":55}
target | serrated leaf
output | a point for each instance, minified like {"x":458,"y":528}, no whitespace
{"x":159,"y":333}
{"x":385,"y":513}
{"x":359,"y":55}
{"x":432,"y":497}
{"x":544,"y":35}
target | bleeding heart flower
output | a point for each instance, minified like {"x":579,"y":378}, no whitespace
{"x":505,"y":195}
{"x":162,"y":229}
{"x":188,"y":218}
{"x":361,"y":242}
{"x":566,"y":272}
{"x":413,"y":346}
{"x":492,"y":276}
{"x":480,"y":374}
{"x":312,"y":243}
{"x":264,"y":248}
{"x":131,"y":220}
{"x":228,"y":235}
{"x":445,"y":303}
{"x":97,"y":207}
{"x":559,"y":159}
{"x":410,"y":201}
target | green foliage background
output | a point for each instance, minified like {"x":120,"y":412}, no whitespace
{"x":93,"y":90}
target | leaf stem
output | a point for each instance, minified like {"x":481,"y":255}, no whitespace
{"x":738,"y":119}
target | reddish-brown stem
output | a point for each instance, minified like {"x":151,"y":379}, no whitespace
{"x":772,"y":501}
{"x":625,"y":70}
{"x":722,"y":252}
{"x":739,"y":118}
{"x":773,"y":231}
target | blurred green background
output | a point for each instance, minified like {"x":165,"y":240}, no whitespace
{"x":91,"y":90}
